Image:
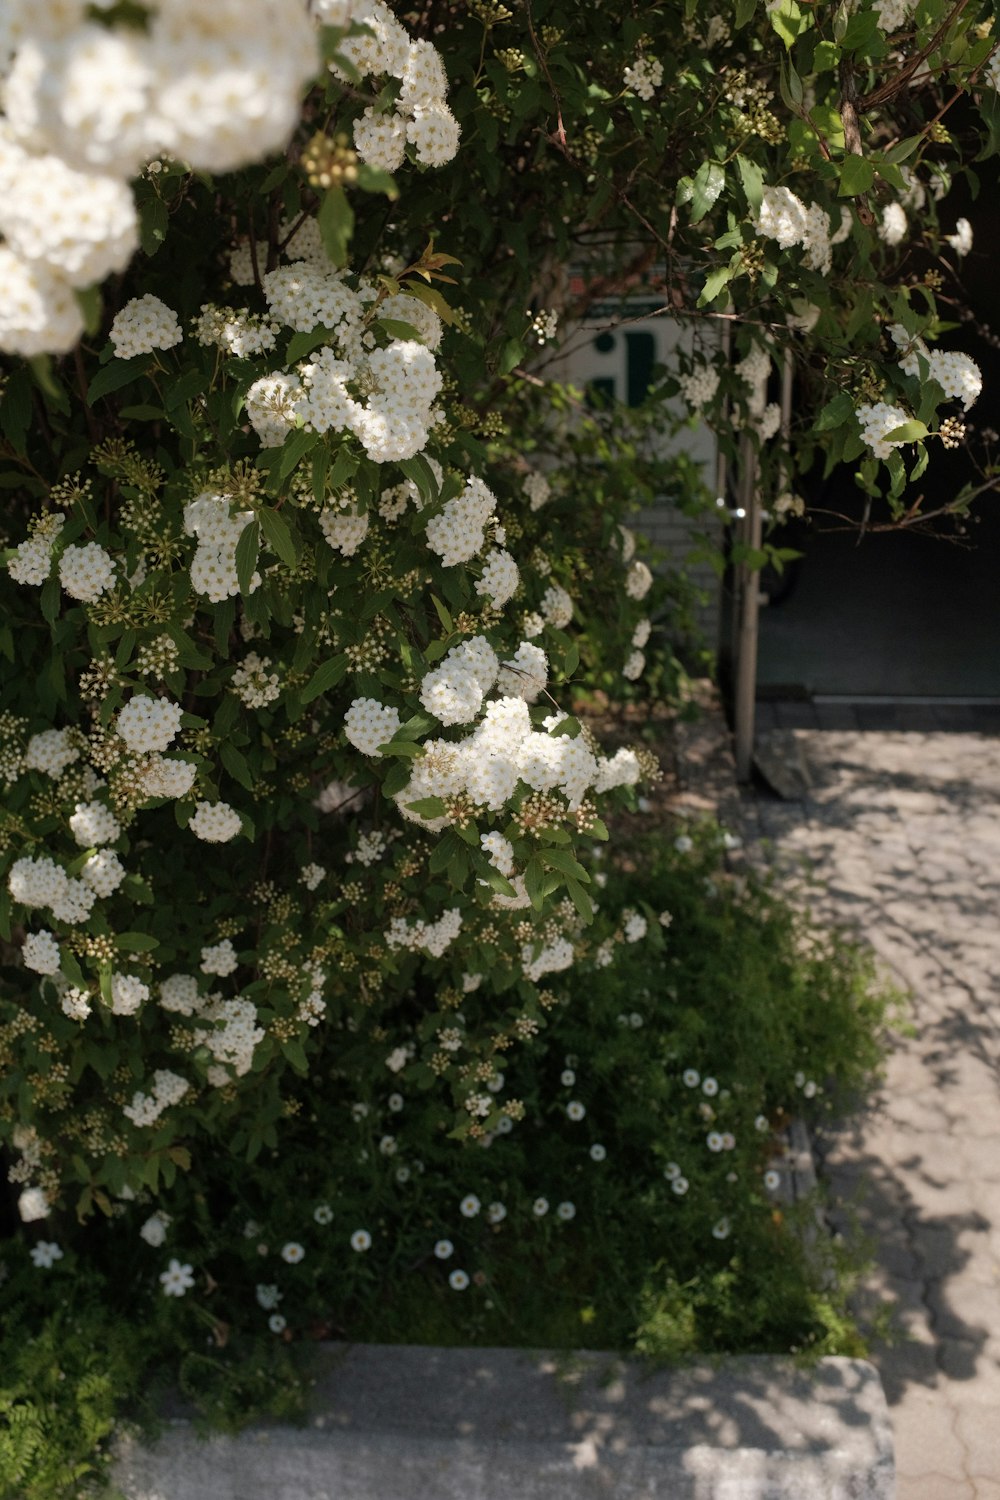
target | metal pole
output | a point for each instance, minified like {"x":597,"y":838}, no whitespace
{"x":749,"y":617}
{"x":749,"y":595}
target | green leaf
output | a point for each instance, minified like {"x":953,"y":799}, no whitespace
{"x":136,"y":942}
{"x":247,"y":550}
{"x":835,"y":413}
{"x":294,"y":450}
{"x":563,"y":860}
{"x":443,"y":614}
{"x":336,"y":224}
{"x":790,"y":85}
{"x":301,"y":344}
{"x":709,"y":180}
{"x":15,"y":409}
{"x":856,"y":176}
{"x":399,"y":330}
{"x":375,"y":180}
{"x":153,"y":220}
{"x":744,"y":12}
{"x":50,"y":599}
{"x":907,"y":432}
{"x":115,"y":374}
{"x":428,"y":807}
{"x":581,"y":900}
{"x":278,"y":535}
{"x":235,"y":763}
{"x":786,"y":19}
{"x":752,"y":179}
{"x":324,"y":678}
{"x":534,"y":874}
{"x":420,"y":471}
{"x":401,"y":747}
{"x":904,"y":149}
{"x":715,"y":282}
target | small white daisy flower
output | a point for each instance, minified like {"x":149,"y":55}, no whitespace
{"x":458,"y":1281}
{"x":540,"y":1207}
{"x":323,"y":1213}
{"x":469,"y":1206}
{"x":598,"y":1152}
{"x":443,"y":1249}
{"x":292,"y":1252}
{"x":361,"y":1240}
{"x":566,"y":1211}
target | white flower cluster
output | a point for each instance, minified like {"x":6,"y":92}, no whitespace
{"x":420,"y":115}
{"x":961,"y":240}
{"x":145,"y":1109}
{"x":213,"y":568}
{"x":44,"y":885}
{"x":393,"y":421}
{"x":87,"y":104}
{"x":103,"y":872}
{"x":344,"y":532}
{"x":369,"y":724}
{"x":644,"y":77}
{"x":453,"y":692}
{"x":552,"y":959}
{"x":499,"y":851}
{"x":219,"y":959}
{"x":432,"y":937}
{"x":876,"y":422}
{"x":179,"y":993}
{"x":892,"y":225}
{"x":215,"y":822}
{"x":459,"y":531}
{"x":538,"y":490}
{"x":700,"y":386}
{"x":142,"y":325}
{"x":234,"y":330}
{"x":893,"y":14}
{"x":127,"y":994}
{"x":958,"y":376}
{"x":254,"y":682}
{"x":51,"y":751}
{"x":783,"y":216}
{"x":164,"y":777}
{"x":231,"y":1036}
{"x":32,"y":560}
{"x":92,"y":823}
{"x":85,"y":572}
{"x":557,"y":607}
{"x":500,"y":578}
{"x":638,"y":579}
{"x":41,"y":952}
{"x":147,"y":723}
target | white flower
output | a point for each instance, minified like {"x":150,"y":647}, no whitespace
{"x":370,"y":724}
{"x":215,"y":822}
{"x":142,"y":325}
{"x":292,"y":1252}
{"x":41,"y":952}
{"x":680,"y":1186}
{"x":154,"y":1231}
{"x":575,"y":1110}
{"x":395,"y":1103}
{"x":33,"y":1204}
{"x":496,"y":1213}
{"x":443,"y":1249}
{"x":772,"y":1180}
{"x":86,"y":572}
{"x":691,"y":1077}
{"x":277,"y":1323}
{"x":710,"y":1087}
{"x":45,"y":1254}
{"x":722,"y":1229}
{"x":458,"y":1281}
{"x":469,"y":1206}
{"x":361,"y":1240}
{"x":671,"y":1171}
{"x":540,"y":1207}
{"x":566,"y":1211}
{"x":683,"y":844}
{"x":567,"y":1078}
{"x":323,"y":1213}
{"x":177,"y":1279}
{"x":762,"y":1124}
{"x":961,"y":240}
{"x":598,"y":1152}
{"x":268,"y":1296}
{"x":714,"y":1141}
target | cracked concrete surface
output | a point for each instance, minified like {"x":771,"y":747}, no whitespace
{"x":903,"y":830}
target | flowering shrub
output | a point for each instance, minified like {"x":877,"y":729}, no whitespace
{"x":305,"y":559}
{"x":641,"y":1199}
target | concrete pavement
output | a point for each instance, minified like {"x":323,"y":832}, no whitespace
{"x":903,"y":829}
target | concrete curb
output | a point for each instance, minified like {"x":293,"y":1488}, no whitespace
{"x":408,"y":1423}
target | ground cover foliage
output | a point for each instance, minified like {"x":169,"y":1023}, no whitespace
{"x":306,"y":561}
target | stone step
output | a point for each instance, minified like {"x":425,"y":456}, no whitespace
{"x":407,"y":1423}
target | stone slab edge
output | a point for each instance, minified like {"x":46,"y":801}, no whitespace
{"x":408,"y":1423}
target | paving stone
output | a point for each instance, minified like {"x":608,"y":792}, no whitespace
{"x":904,"y":828}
